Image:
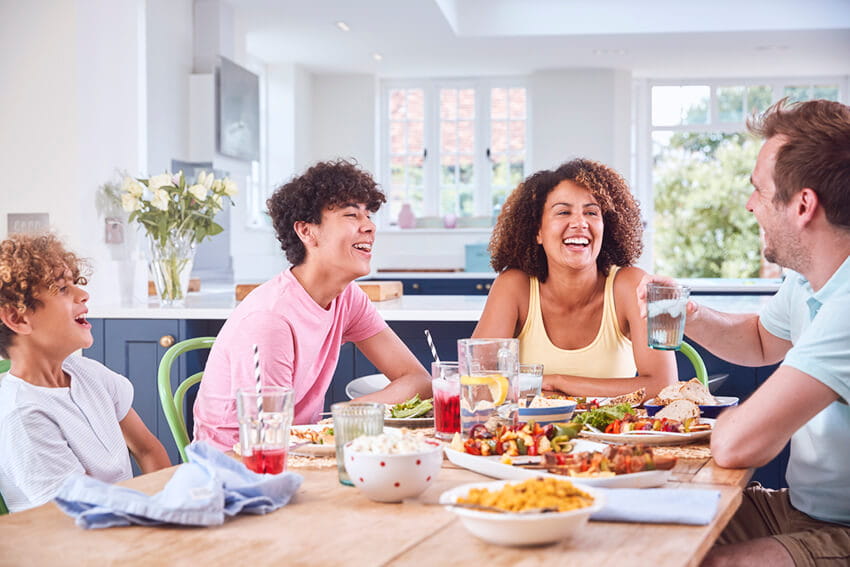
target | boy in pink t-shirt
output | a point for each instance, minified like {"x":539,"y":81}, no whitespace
{"x":300,"y":318}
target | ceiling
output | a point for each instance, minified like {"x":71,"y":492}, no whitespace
{"x":650,"y":38}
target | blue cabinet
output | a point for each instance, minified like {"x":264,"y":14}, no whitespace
{"x":444,"y":286}
{"x":133,"y":348}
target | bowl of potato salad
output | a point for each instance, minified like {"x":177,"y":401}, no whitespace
{"x":393,"y":466}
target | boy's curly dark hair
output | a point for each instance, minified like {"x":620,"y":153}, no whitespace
{"x":514,"y":244}
{"x":326,"y":184}
{"x":28,"y":265}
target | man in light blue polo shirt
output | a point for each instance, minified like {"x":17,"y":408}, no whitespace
{"x":801,"y":200}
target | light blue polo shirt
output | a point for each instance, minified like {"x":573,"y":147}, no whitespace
{"x":818,"y":326}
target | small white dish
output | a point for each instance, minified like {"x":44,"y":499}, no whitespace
{"x":520,"y":529}
{"x":393,"y":478}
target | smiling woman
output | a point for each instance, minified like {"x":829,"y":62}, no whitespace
{"x":564,"y":245}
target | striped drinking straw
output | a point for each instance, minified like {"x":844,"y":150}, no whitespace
{"x":259,"y":387}
{"x":431,"y":346}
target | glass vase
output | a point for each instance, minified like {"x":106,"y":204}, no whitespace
{"x":171,"y":262}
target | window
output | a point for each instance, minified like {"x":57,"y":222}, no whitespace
{"x":697,"y":165}
{"x":453,"y":147}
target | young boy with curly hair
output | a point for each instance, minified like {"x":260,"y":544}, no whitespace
{"x":60,"y":414}
{"x":300,"y":318}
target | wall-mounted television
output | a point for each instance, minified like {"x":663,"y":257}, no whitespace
{"x":237,"y":111}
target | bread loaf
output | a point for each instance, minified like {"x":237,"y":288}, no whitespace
{"x":692,"y":390}
{"x":680,"y":410}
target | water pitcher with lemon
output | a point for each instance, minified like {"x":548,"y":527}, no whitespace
{"x":488,"y":371}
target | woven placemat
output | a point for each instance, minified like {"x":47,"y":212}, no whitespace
{"x":695,"y":451}
{"x":299,"y":462}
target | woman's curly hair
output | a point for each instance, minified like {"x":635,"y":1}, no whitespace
{"x":28,"y":265}
{"x":326,"y":184}
{"x":514,"y":244}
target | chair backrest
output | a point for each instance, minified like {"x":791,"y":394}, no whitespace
{"x":5,"y":365}
{"x":172,"y":401}
{"x":3,"y":509}
{"x":699,"y":365}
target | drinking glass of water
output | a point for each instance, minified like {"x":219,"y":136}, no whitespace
{"x":489,"y":370}
{"x":666,"y":306}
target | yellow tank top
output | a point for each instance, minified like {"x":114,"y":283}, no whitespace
{"x":609,"y":355}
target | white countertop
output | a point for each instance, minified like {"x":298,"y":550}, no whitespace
{"x":219,"y":305}
{"x":702,"y":285}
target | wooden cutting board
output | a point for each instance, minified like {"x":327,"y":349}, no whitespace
{"x":244,"y":289}
{"x":381,"y":291}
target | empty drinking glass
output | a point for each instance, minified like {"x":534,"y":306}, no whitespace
{"x":351,"y":420}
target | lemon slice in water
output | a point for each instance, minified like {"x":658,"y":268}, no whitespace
{"x":497,"y":384}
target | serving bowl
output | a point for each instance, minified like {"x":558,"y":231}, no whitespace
{"x":711,"y":411}
{"x":556,"y":413}
{"x":393,"y":477}
{"x":519,"y":529}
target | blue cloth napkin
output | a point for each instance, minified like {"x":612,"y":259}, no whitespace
{"x":659,"y":506}
{"x":202,"y":492}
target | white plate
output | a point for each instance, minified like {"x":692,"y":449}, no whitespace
{"x":490,"y":466}
{"x":651,"y":438}
{"x":305,"y":449}
{"x":409,"y":422}
{"x":315,"y":449}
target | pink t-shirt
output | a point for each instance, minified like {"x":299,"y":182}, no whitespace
{"x":299,"y":345}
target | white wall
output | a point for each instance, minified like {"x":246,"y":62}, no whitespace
{"x":38,"y":99}
{"x":580,"y":113}
{"x":343,"y":119}
{"x":169,"y":65}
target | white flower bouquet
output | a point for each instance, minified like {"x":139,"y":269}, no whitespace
{"x":176,"y":216}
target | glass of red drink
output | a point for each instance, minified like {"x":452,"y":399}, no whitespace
{"x":445,"y":385}
{"x":264,"y":420}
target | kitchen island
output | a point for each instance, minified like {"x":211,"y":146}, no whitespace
{"x":132,"y":339}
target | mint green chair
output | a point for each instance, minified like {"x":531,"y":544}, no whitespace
{"x":173,"y":401}
{"x":699,"y":365}
{"x":5,"y":365}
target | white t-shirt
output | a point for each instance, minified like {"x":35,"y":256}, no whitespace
{"x":48,"y":434}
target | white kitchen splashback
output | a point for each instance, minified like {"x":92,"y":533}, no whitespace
{"x":425,"y":248}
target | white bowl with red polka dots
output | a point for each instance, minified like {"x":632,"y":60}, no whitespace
{"x":392,"y":478}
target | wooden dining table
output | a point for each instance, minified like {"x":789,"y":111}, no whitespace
{"x":327,"y":523}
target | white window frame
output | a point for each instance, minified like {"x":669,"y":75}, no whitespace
{"x":643,"y":129}
{"x":431,"y":168}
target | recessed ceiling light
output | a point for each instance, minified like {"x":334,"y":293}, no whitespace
{"x":771,"y":48}
{"x":377,"y":56}
{"x":343,"y":26}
